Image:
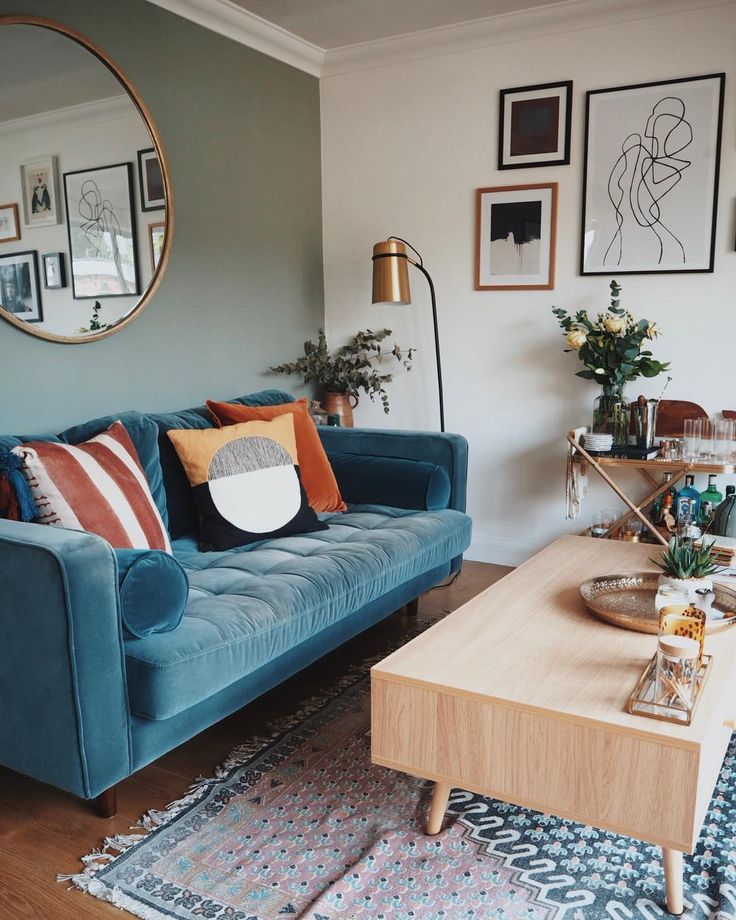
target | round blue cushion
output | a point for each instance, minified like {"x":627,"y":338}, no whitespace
{"x":153,"y":590}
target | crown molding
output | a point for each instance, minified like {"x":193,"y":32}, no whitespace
{"x":557,"y":18}
{"x":232,"y":21}
{"x":73,"y":116}
{"x":228,"y":19}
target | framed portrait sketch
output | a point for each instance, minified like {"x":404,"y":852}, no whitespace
{"x":516,"y":228}
{"x":9,"y":223}
{"x":650,"y":188}
{"x":103,"y":257}
{"x":39,"y":181}
{"x":54,"y":273}
{"x":535,"y":125}
{"x":20,"y":292}
{"x":151,"y":181}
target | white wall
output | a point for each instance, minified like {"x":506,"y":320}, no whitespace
{"x":404,"y":148}
{"x":101,"y":133}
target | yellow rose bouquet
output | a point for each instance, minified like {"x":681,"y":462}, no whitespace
{"x":613,"y":349}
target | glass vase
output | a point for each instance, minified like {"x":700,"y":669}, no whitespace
{"x":611,"y":415}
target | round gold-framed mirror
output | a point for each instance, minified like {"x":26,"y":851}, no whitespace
{"x":86,"y":206}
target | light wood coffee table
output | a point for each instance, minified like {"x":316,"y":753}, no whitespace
{"x":521,"y":695}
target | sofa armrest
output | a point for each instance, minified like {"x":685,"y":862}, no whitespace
{"x":441,"y":449}
{"x":63,"y":695}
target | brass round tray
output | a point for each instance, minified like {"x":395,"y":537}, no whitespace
{"x":628,"y":601}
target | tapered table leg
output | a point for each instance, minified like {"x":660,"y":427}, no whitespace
{"x":673,"y":880}
{"x":438,"y":807}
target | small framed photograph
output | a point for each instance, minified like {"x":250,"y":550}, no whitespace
{"x":516,"y":229}
{"x":650,"y":180}
{"x":20,"y":292}
{"x":9,"y":223}
{"x":103,"y":257}
{"x":54,"y":273}
{"x":39,"y":180}
{"x":156,"y":234}
{"x":150,"y":177}
{"x":535,"y":125}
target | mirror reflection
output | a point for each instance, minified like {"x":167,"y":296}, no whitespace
{"x":82,"y":197}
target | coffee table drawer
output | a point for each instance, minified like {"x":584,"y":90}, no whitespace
{"x":629,"y":782}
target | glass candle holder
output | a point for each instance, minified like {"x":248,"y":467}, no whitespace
{"x":677,"y":671}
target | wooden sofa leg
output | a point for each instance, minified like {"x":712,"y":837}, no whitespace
{"x":412,"y":608}
{"x":106,"y":803}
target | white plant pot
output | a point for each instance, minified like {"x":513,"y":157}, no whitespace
{"x":691,"y":585}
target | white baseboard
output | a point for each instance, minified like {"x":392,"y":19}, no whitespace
{"x":501,"y":550}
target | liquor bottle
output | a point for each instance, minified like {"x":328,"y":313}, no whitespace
{"x":724,"y":520}
{"x":709,"y":501}
{"x":661,"y":500}
{"x":688,"y":500}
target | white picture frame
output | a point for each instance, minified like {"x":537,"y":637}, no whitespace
{"x":41,"y":203}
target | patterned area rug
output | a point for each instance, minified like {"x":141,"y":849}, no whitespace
{"x":303,"y":826}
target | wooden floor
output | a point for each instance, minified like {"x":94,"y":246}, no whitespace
{"x":44,"y":831}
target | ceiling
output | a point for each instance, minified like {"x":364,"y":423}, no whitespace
{"x":41,"y":71}
{"x":330,"y":24}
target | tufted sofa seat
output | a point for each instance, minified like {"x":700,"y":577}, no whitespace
{"x":248,"y":607}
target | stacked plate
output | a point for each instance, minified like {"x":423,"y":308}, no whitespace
{"x":598,"y":442}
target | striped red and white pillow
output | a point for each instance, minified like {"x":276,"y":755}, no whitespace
{"x":98,"y":486}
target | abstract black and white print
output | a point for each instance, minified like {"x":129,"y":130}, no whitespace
{"x":516,"y":237}
{"x":652,"y":156}
{"x":516,"y":229}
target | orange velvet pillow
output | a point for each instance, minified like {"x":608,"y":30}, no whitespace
{"x":318,"y":479}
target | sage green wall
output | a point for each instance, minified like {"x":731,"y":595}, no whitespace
{"x":244,"y":284}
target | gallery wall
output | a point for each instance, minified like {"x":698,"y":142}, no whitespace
{"x":404,"y":148}
{"x":83,"y":137}
{"x":244,"y":284}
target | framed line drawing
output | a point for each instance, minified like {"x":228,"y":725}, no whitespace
{"x":535,"y":125}
{"x":650,"y":186}
{"x":516,"y":235}
{"x":103,"y":257}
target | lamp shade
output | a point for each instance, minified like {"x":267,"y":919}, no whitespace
{"x":390,"y":273}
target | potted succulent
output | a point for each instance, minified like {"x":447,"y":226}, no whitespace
{"x":688,"y":566}
{"x":351,"y":369}
{"x":613,"y":349}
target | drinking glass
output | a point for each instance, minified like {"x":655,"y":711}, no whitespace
{"x":706,"y":439}
{"x":723,"y":440}
{"x":602,"y":521}
{"x":693,"y":431}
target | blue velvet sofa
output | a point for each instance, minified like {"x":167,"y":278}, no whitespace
{"x":84,"y":704}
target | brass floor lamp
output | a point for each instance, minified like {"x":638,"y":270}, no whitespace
{"x":391,"y":286}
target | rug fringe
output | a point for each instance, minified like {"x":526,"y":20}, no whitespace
{"x":114,"y":847}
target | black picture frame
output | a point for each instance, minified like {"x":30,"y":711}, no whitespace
{"x":566,"y":88}
{"x":616,"y":270}
{"x":148,"y":201}
{"x":127,"y":169}
{"x":45,"y":258}
{"x":5,"y":261}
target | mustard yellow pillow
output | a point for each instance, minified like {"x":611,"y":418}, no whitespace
{"x":245,"y":482}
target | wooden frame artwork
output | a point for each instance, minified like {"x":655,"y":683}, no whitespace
{"x":156,"y":237}
{"x":9,"y":223}
{"x":535,"y":125}
{"x":516,"y":237}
